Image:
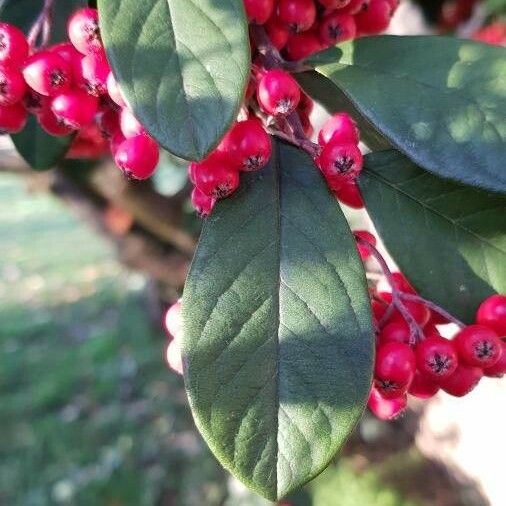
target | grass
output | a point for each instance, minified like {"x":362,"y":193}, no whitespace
{"x":89,"y":413}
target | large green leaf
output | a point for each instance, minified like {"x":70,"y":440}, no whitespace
{"x":449,"y":239}
{"x":278,"y":344}
{"x":182,"y":64}
{"x":439,"y":100}
{"x":40,"y":150}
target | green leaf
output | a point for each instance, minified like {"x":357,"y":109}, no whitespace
{"x":278,"y":343}
{"x":441,"y":101}
{"x":40,"y":150}
{"x":449,"y":239}
{"x":334,"y":100}
{"x":182,"y":64}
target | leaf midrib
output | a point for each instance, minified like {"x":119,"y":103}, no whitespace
{"x":454,"y":223}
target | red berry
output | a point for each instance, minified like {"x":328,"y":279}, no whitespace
{"x":258,"y":11}
{"x":498,"y":370}
{"x":334,"y":4}
{"x":75,"y":108}
{"x":278,"y":93}
{"x":492,"y":314}
{"x":12,"y":86}
{"x":88,"y":144}
{"x":84,"y":32}
{"x":215,"y":177}
{"x":349,"y":194}
{"x":95,"y":70}
{"x":202,"y":203}
{"x":13,"y":45}
{"x":114,"y":91}
{"x":341,"y":128}
{"x":130,"y":125}
{"x":249,"y":145}
{"x":48,"y":73}
{"x":478,"y":346}
{"x":340,"y":161}
{"x":306,"y":104}
{"x":423,"y":387}
{"x":436,"y":358}
{"x":395,"y":332}
{"x":364,"y":251}
{"x":68,"y":52}
{"x":174,"y":357}
{"x":336,"y":27}
{"x":462,"y":381}
{"x":33,"y":101}
{"x":277,"y":32}
{"x":419,"y":312}
{"x":116,"y":141}
{"x":356,"y":6}
{"x":173,"y":320}
{"x":298,"y":15}
{"x":13,"y":118}
{"x":375,"y":18}
{"x":386,"y":409}
{"x":51,"y":124}
{"x":394,"y":369}
{"x":302,"y":45}
{"x":138,"y":157}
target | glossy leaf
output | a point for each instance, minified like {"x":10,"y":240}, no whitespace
{"x":182,"y":64}
{"x":449,"y":239}
{"x":40,"y":150}
{"x":278,"y":345}
{"x":439,"y":100}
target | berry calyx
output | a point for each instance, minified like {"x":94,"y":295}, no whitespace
{"x":337,"y":27}
{"x":298,"y":15}
{"x":278,"y":93}
{"x":94,"y":72}
{"x":258,"y":11}
{"x":394,"y":369}
{"x":340,"y":128}
{"x":462,"y":381}
{"x":340,"y":161}
{"x":215,"y":176}
{"x":75,"y":108}
{"x":13,"y":45}
{"x":436,"y":358}
{"x":138,"y":157}
{"x":478,"y":346}
{"x":492,"y":314}
{"x":48,"y":73}
{"x":249,"y":145}
{"x":84,"y":32}
{"x":386,"y":409}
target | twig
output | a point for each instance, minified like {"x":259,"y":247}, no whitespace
{"x":42,"y":25}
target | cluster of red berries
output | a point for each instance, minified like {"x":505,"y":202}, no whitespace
{"x":297,"y":28}
{"x":422,"y":365}
{"x":70,"y":88}
{"x":302,"y":27}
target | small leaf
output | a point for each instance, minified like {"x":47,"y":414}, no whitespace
{"x":278,"y":344}
{"x":40,"y":150}
{"x":182,"y":64}
{"x":439,"y":100}
{"x":449,"y":239}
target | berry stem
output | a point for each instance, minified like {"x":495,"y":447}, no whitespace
{"x":433,"y":307}
{"x":42,"y":24}
{"x":415,"y":331}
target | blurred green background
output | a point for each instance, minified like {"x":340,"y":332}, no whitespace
{"x":89,"y":412}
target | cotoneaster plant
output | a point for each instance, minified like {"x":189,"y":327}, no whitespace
{"x":280,"y":336}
